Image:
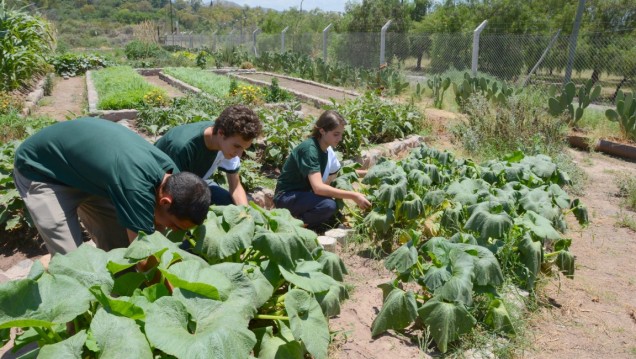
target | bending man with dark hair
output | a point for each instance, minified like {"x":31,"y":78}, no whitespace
{"x":108,"y":177}
{"x":204,"y":147}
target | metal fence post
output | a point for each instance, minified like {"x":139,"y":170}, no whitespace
{"x":476,"y":34}
{"x":573,"y":39}
{"x":324,"y":41}
{"x":545,"y":52}
{"x":254,"y":40}
{"x":282,"y":39}
{"x":383,"y":41}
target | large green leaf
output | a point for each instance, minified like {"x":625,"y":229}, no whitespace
{"x":434,"y":198}
{"x":87,"y":264}
{"x":332,"y":265}
{"x":487,"y":269}
{"x":119,"y":337}
{"x":194,"y":277}
{"x":159,"y":246}
{"x":459,"y":287}
{"x":402,"y":259}
{"x":121,"y":306}
{"x":52,"y":299}
{"x":195,"y":327}
{"x":541,"y":165}
{"x":531,"y":255}
{"x":307,"y":322}
{"x":580,"y":211}
{"x":539,"y":226}
{"x":308,"y":275}
{"x":498,"y":318}
{"x":330,"y":300}
{"x":216,"y":242}
{"x":381,"y":170}
{"x":539,"y":200}
{"x":285,"y":248}
{"x":393,"y":189}
{"x":70,"y":348}
{"x":559,"y":196}
{"x":419,"y":179}
{"x":264,"y":288}
{"x":565,"y":262}
{"x":398,"y":311}
{"x":467,"y":191}
{"x":379,"y":222}
{"x":447,"y":321}
{"x":412,"y":206}
{"x":489,"y":225}
{"x":272,"y":346}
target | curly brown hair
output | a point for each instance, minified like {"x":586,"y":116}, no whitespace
{"x":238,"y":120}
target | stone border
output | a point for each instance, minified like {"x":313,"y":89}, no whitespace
{"x":33,"y":97}
{"x":174,"y":82}
{"x":370,"y":157}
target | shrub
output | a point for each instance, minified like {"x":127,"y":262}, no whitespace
{"x":70,"y":64}
{"x":156,"y":98}
{"x":136,"y":50}
{"x":9,"y":103}
{"x":246,"y":65}
{"x":24,"y":43}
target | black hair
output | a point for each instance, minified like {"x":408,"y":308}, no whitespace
{"x":190,"y":197}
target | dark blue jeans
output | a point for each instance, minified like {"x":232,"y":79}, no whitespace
{"x":316,"y":211}
{"x":220,"y":196}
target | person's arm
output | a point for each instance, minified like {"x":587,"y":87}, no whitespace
{"x":236,"y":189}
{"x":321,"y":189}
{"x":131,"y":235}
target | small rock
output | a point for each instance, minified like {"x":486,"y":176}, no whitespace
{"x":328,"y":243}
{"x":341,"y":235}
{"x":65,"y":77}
{"x":19,"y":270}
{"x":264,"y":198}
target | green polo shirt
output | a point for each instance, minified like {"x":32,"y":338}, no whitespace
{"x":305,"y":159}
{"x":185,"y":144}
{"x":101,"y":158}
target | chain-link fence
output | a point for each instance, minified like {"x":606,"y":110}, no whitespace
{"x":607,"y":58}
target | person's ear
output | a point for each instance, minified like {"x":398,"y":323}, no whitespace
{"x":220,"y":133}
{"x":165,"y":200}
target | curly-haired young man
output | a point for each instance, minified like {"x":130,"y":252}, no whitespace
{"x":204,"y":147}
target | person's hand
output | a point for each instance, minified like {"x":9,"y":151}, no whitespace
{"x":361,"y":201}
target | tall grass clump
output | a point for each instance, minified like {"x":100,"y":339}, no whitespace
{"x":13,"y":126}
{"x":25,"y":41}
{"x":121,"y":87}
{"x":216,"y":85}
{"x":523,"y":123}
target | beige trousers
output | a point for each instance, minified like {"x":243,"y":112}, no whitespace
{"x":56,"y":211}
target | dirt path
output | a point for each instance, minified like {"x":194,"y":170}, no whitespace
{"x":594,"y":315}
{"x":67,"y":101}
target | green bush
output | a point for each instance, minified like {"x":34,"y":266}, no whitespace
{"x":24,"y":43}
{"x":71,"y":64}
{"x":136,"y":50}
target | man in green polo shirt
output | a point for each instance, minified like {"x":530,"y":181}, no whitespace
{"x":204,"y":147}
{"x":108,"y":177}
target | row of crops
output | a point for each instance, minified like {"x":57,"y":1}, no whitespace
{"x":255,"y":282}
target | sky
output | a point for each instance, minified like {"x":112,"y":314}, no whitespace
{"x":325,"y":5}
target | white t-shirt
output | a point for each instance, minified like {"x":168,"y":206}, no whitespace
{"x":333,"y":165}
{"x":230,"y":166}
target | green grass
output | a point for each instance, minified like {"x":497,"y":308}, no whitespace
{"x":15,"y":127}
{"x":597,"y":125}
{"x":121,"y":87}
{"x":209,"y":82}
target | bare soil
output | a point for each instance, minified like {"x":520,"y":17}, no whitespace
{"x":67,"y":100}
{"x":590,"y":316}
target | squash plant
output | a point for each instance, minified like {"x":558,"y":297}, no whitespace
{"x":463,"y":227}
{"x":257,"y":283}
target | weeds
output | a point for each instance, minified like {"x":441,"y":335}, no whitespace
{"x":625,"y":220}
{"x":627,"y":190}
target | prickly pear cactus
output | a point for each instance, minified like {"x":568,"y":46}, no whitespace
{"x":624,"y":114}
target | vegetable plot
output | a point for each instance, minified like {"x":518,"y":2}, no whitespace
{"x":463,"y":227}
{"x":260,"y":285}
